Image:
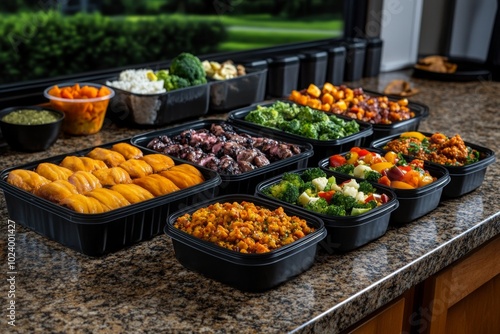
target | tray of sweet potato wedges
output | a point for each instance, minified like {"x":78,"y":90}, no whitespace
{"x":105,"y":198}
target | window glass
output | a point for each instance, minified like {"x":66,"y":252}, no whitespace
{"x":43,"y":39}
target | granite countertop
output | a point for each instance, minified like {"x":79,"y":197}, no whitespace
{"x":145,"y":289}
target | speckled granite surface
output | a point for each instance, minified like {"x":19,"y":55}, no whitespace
{"x":144,"y":289}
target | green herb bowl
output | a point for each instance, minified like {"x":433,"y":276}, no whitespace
{"x":30,"y":137}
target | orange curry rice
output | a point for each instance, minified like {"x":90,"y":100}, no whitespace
{"x":244,"y":227}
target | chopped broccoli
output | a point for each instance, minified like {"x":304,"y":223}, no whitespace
{"x":309,"y":130}
{"x":345,"y":201}
{"x":310,"y":174}
{"x":335,"y":210}
{"x":366,"y":187}
{"x":292,"y":126}
{"x":318,"y":205}
{"x":283,"y":190}
{"x":372,"y":175}
{"x":308,"y":187}
{"x":344,"y":169}
{"x":189,"y":67}
{"x":293,"y":178}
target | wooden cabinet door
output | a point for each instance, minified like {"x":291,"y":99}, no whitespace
{"x":465,"y":297}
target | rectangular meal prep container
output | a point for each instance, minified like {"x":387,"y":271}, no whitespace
{"x":345,"y":233}
{"x":322,"y":148}
{"x":383,"y":130}
{"x":243,"y":183}
{"x":247,"y":272}
{"x":463,"y":179}
{"x":413,"y":203}
{"x":146,"y":110}
{"x":239,"y":91}
{"x":102,"y":233}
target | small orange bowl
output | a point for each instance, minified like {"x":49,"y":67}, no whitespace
{"x":84,"y":105}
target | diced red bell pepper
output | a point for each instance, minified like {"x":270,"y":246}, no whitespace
{"x":327,"y":195}
{"x":337,"y":160}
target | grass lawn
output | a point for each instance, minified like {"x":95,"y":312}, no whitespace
{"x":253,"y":31}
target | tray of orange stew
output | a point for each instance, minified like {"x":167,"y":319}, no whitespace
{"x":467,"y":170}
{"x":229,"y":238}
{"x":418,"y":185}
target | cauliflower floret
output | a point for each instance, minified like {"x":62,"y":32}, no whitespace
{"x":320,"y":183}
{"x":359,"y":171}
{"x":350,"y":191}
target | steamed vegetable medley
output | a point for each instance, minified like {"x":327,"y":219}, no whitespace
{"x":314,"y":191}
{"x":390,"y":169}
{"x":302,"y":120}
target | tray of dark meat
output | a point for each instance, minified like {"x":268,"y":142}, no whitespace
{"x":241,"y":157}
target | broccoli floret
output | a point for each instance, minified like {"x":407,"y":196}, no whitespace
{"x":292,"y":126}
{"x":307,"y":114}
{"x":309,"y":130}
{"x":372,"y":175}
{"x":318,"y":205}
{"x":308,"y":187}
{"x":321,"y":117}
{"x":174,"y":82}
{"x":368,"y":205}
{"x":335,"y":210}
{"x":310,"y":174}
{"x":284,"y":190}
{"x":345,"y":201}
{"x":344,"y":169}
{"x":266,"y":116}
{"x":293,"y":178}
{"x":366,"y":187}
{"x":189,"y":67}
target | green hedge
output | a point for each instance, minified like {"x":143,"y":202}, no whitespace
{"x":48,"y":44}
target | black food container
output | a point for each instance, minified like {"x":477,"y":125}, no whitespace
{"x":345,"y":233}
{"x":322,"y":148}
{"x":102,"y":233}
{"x":373,"y":57}
{"x":413,"y":203}
{"x":463,"y":179}
{"x":147,"y":110}
{"x":420,"y":110}
{"x":245,"y":182}
{"x":355,"y":58}
{"x":238,"y":92}
{"x":282,"y":75}
{"x":247,"y":272}
{"x":312,"y":69}
{"x":336,"y":64}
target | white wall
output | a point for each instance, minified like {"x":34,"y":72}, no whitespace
{"x":472,"y":26}
{"x":400,"y":30}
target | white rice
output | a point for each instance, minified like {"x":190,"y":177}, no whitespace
{"x":137,"y":82}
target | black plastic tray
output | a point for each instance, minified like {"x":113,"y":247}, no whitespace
{"x":146,"y":110}
{"x":467,"y":70}
{"x":345,"y":233}
{"x":238,"y":92}
{"x":248,"y":272}
{"x":413,"y":203}
{"x":383,"y":130}
{"x":243,"y":183}
{"x":99,"y":234}
{"x":322,"y":148}
{"x":463,"y":179}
